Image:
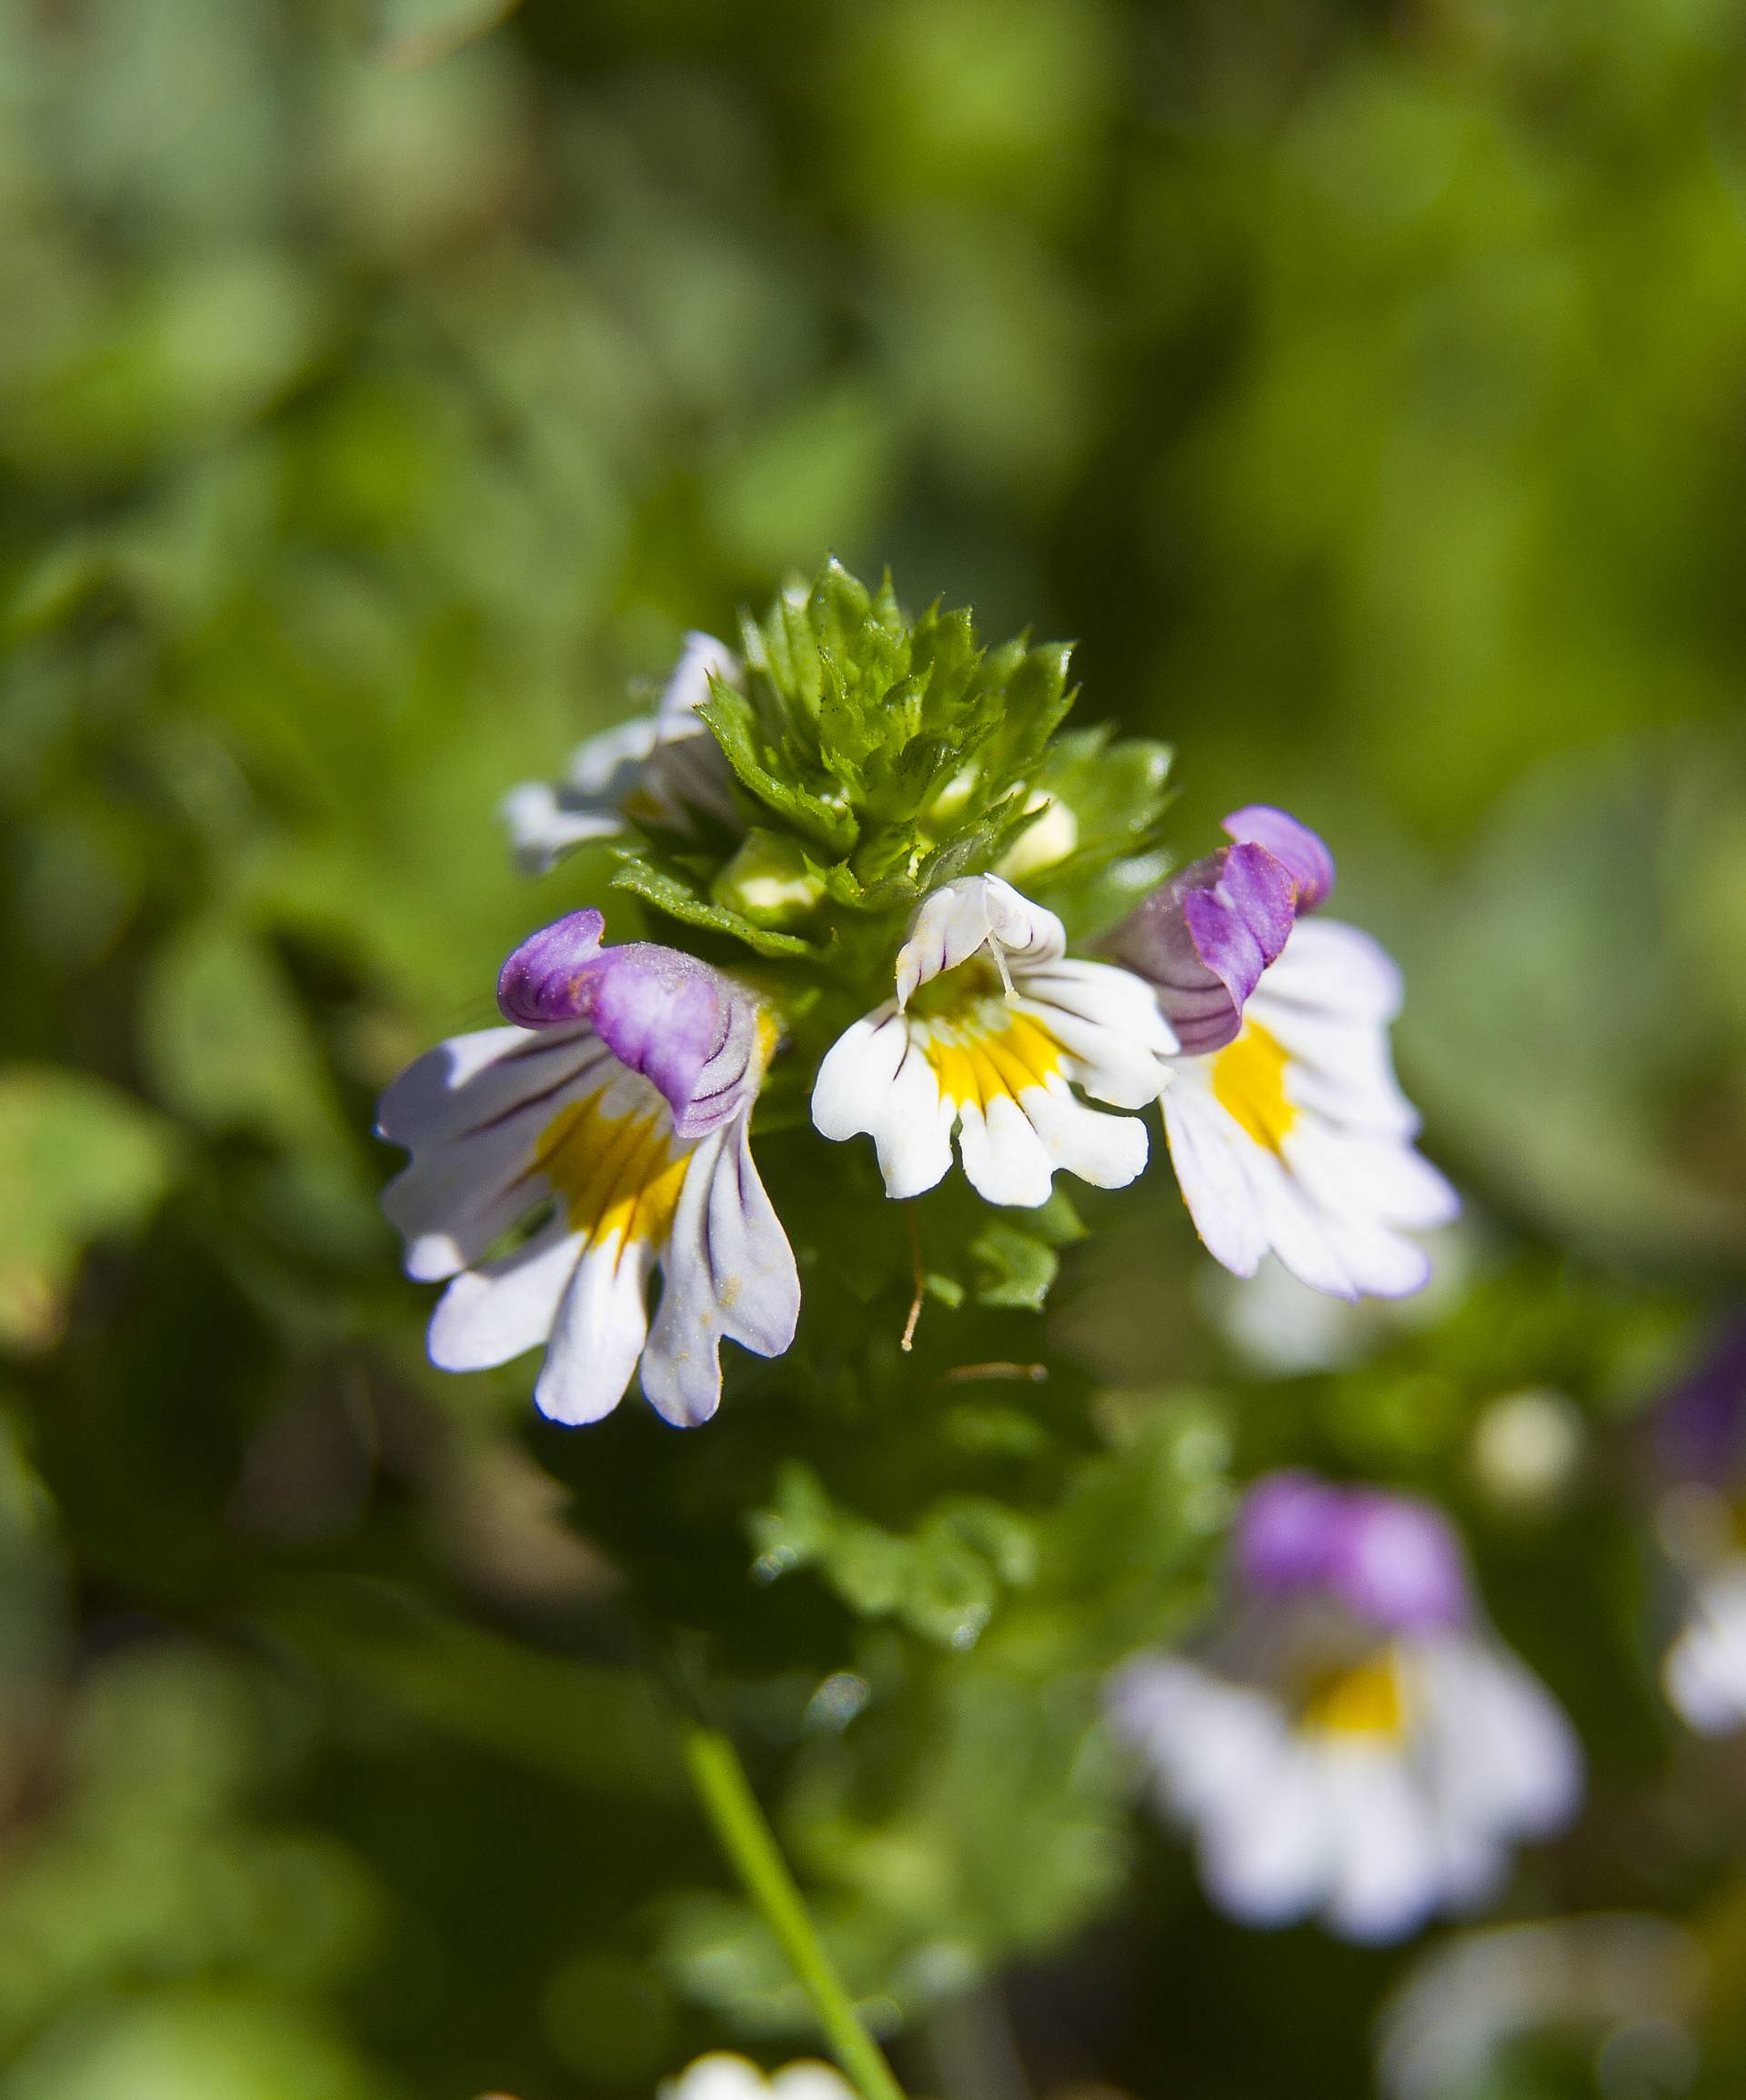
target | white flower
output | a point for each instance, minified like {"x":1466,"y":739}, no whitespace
{"x":1286,"y":1128}
{"x":990,"y":1030}
{"x":1704,"y":1672}
{"x":724,"y":2076}
{"x":1382,"y":1793}
{"x":1295,"y":1137}
{"x":625,"y":1112}
{"x":1353,"y":1743}
{"x":657,"y":767}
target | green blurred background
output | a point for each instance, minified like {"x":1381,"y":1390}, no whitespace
{"x":380,"y":397}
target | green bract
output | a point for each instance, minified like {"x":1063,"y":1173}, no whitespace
{"x":876,"y":757}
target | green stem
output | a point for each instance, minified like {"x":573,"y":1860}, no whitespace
{"x":750,"y":1844}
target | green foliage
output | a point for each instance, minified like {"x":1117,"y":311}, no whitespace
{"x":881,"y":757}
{"x":420,"y":31}
{"x":942,"y":1580}
{"x":79,"y":1160}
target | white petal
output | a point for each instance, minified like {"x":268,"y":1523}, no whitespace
{"x":543,"y":826}
{"x":1375,"y":1260}
{"x":1211,"y":1746}
{"x":1109,"y":1152}
{"x":720,"y":2075}
{"x":690,"y":684}
{"x":1228,"y":1764}
{"x":809,"y":2081}
{"x":1300,"y":1234}
{"x":473,"y":1079}
{"x":973,"y":913}
{"x":875,"y":1080}
{"x":1369,"y":1177}
{"x":492,"y":1314}
{"x":607,"y":768}
{"x":858,"y":1071}
{"x":1210,"y":1174}
{"x":471,"y":1181}
{"x":453,"y":1201}
{"x":1005,"y":1160}
{"x":1501,"y":1759}
{"x":1343,"y":1074}
{"x":1108,"y":1021}
{"x":598,"y":1334}
{"x":730,"y":1272}
{"x":1332,"y":968}
{"x":1268,"y":1860}
{"x":1323,"y":1207}
{"x":1705,"y":1670}
{"x":1388,"y":1875}
{"x":546,"y":821}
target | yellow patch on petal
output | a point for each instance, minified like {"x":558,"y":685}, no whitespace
{"x":1248,"y":1084}
{"x":992,"y":1052}
{"x":1364,"y":1700}
{"x":616,"y":1174}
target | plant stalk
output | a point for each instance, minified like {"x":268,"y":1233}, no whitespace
{"x":750,"y":1844}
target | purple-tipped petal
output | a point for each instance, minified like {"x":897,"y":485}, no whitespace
{"x":1397,"y":1562}
{"x":1296,"y":846}
{"x":1390,"y":1560}
{"x":1203,"y":938}
{"x":690,"y":1031}
{"x":546,"y":982}
{"x":1284,"y":1533}
{"x":662,"y":1013}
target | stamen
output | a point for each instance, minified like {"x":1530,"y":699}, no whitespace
{"x":909,"y":1340}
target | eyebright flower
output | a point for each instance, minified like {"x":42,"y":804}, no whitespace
{"x":1351,"y":1741}
{"x":658,"y":768}
{"x":1700,"y":1439}
{"x":723,"y":2077}
{"x":621,"y":1100}
{"x":990,"y":1030}
{"x":1286,"y":1127}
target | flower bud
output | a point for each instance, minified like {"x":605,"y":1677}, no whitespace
{"x":768,"y":880}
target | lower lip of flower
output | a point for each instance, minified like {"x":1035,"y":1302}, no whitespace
{"x":1249,"y":1083}
{"x":980,"y":1047}
{"x":616,"y":1175}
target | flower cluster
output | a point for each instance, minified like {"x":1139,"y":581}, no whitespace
{"x":837,"y":813}
{"x":1350,"y":1741}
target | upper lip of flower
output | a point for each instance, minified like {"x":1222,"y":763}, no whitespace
{"x":1203,"y":938}
{"x":687,"y":1027}
{"x":1390,"y":1560}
